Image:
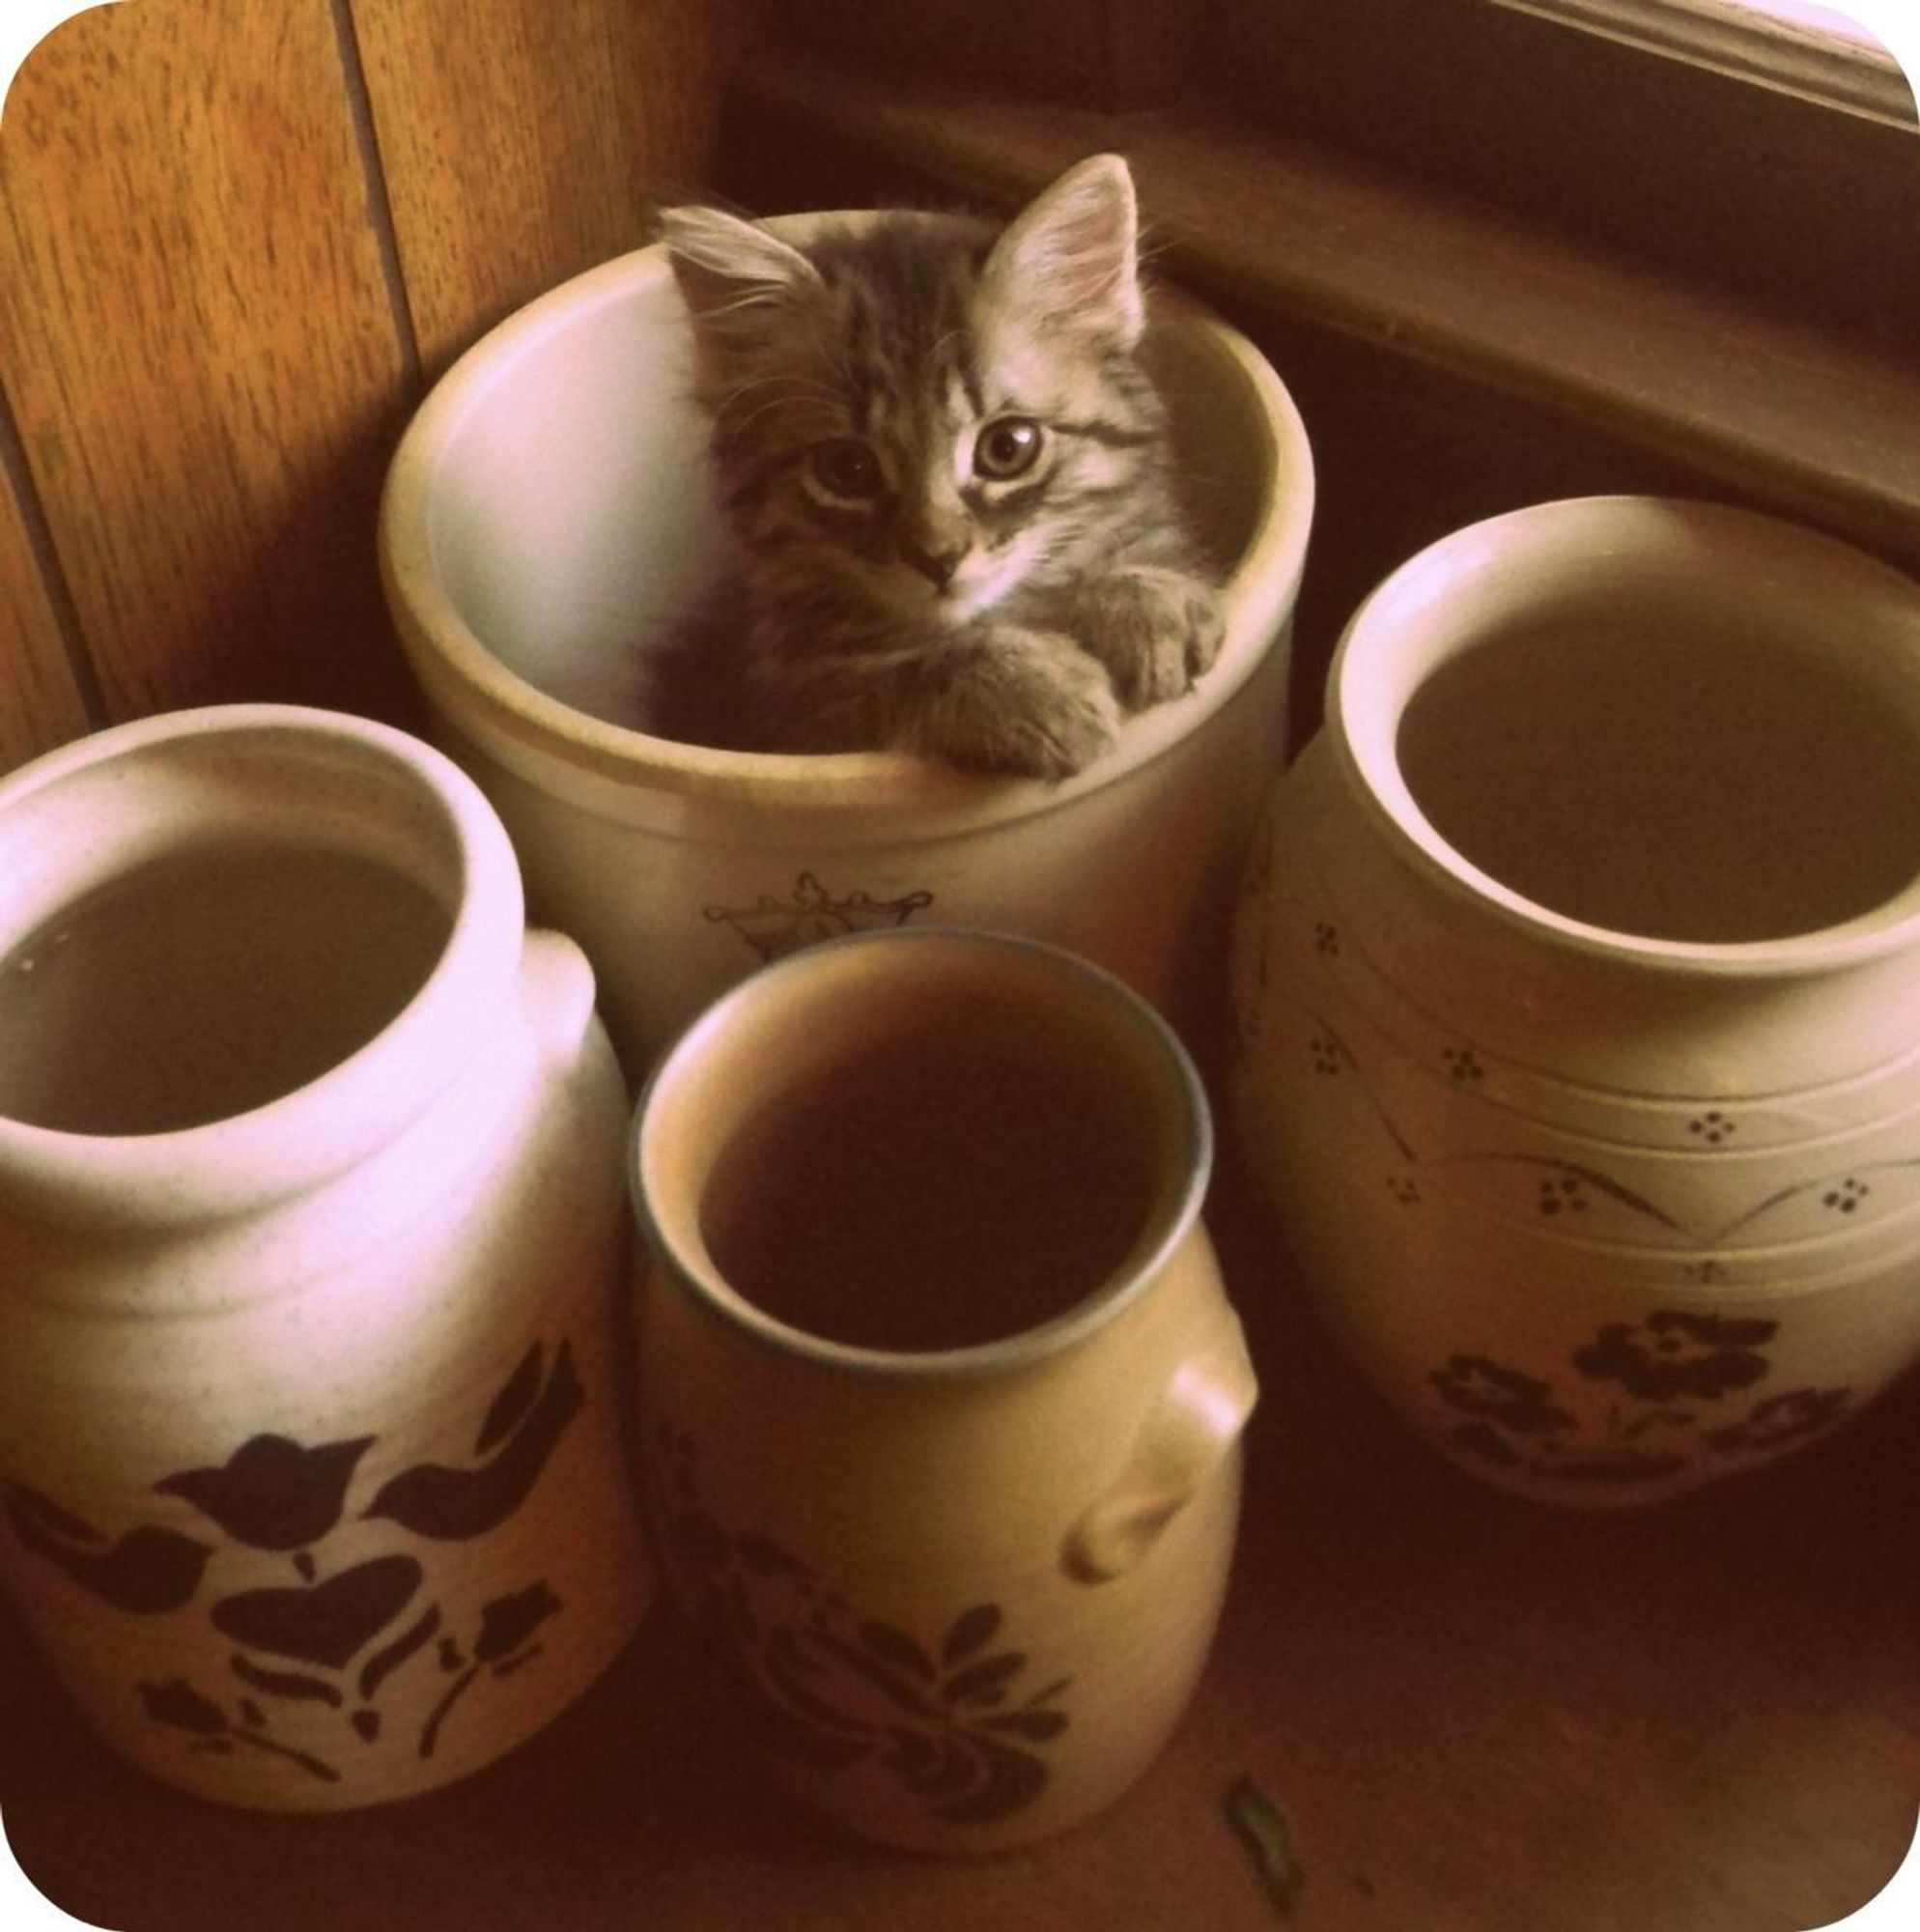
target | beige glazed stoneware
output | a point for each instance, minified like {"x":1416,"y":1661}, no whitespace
{"x":959,"y":1542}
{"x":1578,"y":975}
{"x":311,"y":1221}
{"x":549,"y":516}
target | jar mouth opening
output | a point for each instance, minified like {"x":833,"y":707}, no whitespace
{"x":1032,"y":1065}
{"x":1663,"y":731}
{"x":231,"y":950}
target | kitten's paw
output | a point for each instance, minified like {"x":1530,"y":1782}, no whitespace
{"x":1074,"y":723}
{"x":1155,"y":630}
{"x":1025,"y":705}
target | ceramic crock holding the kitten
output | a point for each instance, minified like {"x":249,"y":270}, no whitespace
{"x":981,"y":561}
{"x":1579,"y":982}
{"x":312,"y":1490}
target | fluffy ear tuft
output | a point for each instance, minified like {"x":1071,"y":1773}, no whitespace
{"x":736,"y":277}
{"x":1069,"y":262}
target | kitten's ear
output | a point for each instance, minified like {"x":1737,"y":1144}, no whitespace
{"x":1069,"y":261}
{"x":736,"y":277}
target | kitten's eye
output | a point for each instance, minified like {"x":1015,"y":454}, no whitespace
{"x":1007,"y":448}
{"x":846,"y":469}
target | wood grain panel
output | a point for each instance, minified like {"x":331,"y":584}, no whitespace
{"x":527,"y":139}
{"x":1110,"y":56}
{"x":40,"y":704}
{"x":201,"y":350}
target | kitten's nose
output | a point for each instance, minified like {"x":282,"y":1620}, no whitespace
{"x":935,"y":565}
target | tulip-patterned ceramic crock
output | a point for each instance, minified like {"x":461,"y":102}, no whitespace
{"x":311,"y":1221}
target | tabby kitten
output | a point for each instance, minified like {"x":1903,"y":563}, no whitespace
{"x":951,"y":478}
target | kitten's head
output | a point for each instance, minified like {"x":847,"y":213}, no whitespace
{"x":916,"y":416}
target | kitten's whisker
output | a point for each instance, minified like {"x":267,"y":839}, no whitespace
{"x":738,"y":423}
{"x":787,"y":390}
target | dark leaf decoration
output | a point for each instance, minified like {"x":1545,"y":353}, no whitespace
{"x":454,"y":1504}
{"x":514,"y":1399}
{"x":1036,"y":1726}
{"x":1497,"y":1394}
{"x":826,"y":1688}
{"x":791,"y":1670}
{"x":507,"y":1622}
{"x":784,"y":1732}
{"x":897,"y":1650}
{"x":1718,"y":1332}
{"x":1675,"y":1355}
{"x":182,"y":1708}
{"x":47,"y":1515}
{"x":972,"y":1629}
{"x":1006,"y":1781}
{"x":947,"y":1768}
{"x":179,"y":1705}
{"x":289,"y":1684}
{"x":384,"y":1662}
{"x":1784,"y":1418}
{"x":914,"y":1754}
{"x":986,"y":1682}
{"x":148,"y":1571}
{"x":892,"y":1684}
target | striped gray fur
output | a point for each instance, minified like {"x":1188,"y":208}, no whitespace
{"x":952,"y":479}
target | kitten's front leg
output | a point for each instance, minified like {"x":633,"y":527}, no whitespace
{"x":1154,"y":629}
{"x":1020,"y":703}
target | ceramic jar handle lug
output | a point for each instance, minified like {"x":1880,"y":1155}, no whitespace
{"x":556,"y":991}
{"x":1196,"y":1420}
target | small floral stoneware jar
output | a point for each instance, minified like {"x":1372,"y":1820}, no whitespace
{"x":942,"y":1394}
{"x":1578,"y":984}
{"x":312,"y":1217}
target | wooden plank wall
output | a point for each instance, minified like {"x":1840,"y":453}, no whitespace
{"x":238,"y":237}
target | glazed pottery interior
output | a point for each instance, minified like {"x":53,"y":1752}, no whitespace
{"x":992,"y":1165}
{"x":206,"y":985}
{"x":922,"y":1095}
{"x":193,"y":966}
{"x":1655,"y":740}
{"x":1697,"y":785}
